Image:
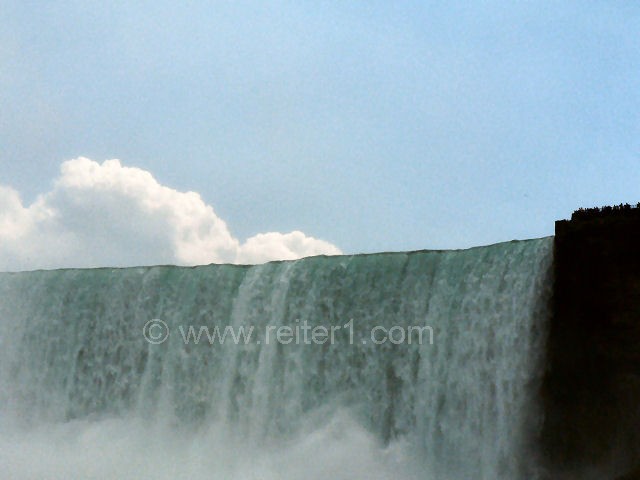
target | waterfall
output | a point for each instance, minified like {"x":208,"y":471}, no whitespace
{"x":430,"y":371}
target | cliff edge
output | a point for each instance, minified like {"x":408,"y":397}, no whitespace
{"x":591,"y":391}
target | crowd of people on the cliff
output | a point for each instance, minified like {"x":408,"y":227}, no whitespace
{"x":588,"y":213}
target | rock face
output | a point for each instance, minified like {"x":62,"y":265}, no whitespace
{"x":591,"y":391}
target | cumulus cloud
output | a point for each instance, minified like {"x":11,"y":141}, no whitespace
{"x":112,"y":215}
{"x":288,"y":246}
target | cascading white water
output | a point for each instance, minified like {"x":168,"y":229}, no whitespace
{"x":84,"y":395}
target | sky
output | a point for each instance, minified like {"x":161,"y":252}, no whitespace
{"x":244,"y":131}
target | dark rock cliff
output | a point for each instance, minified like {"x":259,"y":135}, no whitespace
{"x":591,"y":390}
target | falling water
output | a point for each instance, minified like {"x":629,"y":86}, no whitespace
{"x":84,"y":395}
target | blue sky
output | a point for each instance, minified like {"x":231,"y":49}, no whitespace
{"x":372,"y":125}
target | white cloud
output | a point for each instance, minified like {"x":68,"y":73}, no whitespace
{"x":111,"y":215}
{"x":283,"y":246}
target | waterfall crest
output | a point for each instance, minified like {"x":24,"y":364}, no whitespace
{"x":460,"y":402}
